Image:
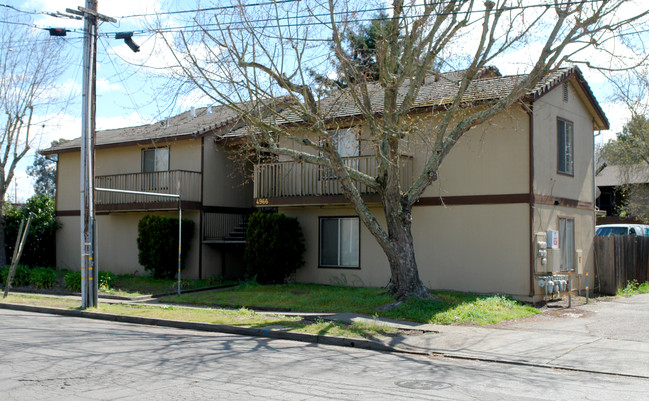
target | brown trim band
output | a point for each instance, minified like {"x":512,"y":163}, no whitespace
{"x":126,"y":207}
{"x":474,"y":200}
{"x":311,"y":200}
{"x":227,"y":209}
{"x":565,"y":202}
{"x":67,"y":213}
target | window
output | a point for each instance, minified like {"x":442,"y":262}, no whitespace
{"x":348,"y":147}
{"x":339,"y":242}
{"x":565,"y":143}
{"x":155,"y":163}
{"x":567,"y":243}
{"x":155,"y":160}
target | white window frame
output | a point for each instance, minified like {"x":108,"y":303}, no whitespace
{"x":158,"y":153}
{"x":567,"y":243}
{"x":340,"y":246}
{"x":565,"y":147}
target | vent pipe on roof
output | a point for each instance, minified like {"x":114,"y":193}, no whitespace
{"x":192,"y":112}
{"x":209,"y":109}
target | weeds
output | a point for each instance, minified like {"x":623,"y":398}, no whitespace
{"x":633,"y":288}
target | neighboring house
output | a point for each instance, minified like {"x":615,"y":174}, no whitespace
{"x":610,"y":182}
{"x":478,"y":228}
{"x":176,"y":154}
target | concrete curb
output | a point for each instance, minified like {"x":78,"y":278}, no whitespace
{"x":211,"y":327}
{"x":301,"y":337}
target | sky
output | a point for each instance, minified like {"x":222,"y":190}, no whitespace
{"x":129,"y":84}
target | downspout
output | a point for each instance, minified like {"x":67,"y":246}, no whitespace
{"x":530,"y":113}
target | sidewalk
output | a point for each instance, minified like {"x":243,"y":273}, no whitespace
{"x":610,"y":336}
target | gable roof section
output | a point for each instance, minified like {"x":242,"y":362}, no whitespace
{"x":441,"y":91}
{"x":182,"y":126}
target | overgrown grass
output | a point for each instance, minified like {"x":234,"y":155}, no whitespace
{"x":446,"y":308}
{"x":238,"y":317}
{"x":633,"y":288}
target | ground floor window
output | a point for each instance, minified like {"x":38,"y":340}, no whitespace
{"x":339,"y":242}
{"x":567,"y":243}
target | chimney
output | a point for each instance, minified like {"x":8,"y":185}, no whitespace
{"x":209,"y":109}
{"x":192,"y":112}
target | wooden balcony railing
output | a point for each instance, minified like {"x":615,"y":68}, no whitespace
{"x":165,"y":182}
{"x":288,"y":179}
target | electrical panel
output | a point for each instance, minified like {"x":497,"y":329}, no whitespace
{"x":554,"y":261}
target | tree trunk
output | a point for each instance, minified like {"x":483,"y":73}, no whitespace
{"x":405,"y":282}
{"x":3,"y":253}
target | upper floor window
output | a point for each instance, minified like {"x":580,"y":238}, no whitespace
{"x":156,"y":159}
{"x":565,"y":144}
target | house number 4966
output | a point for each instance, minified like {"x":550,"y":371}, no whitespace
{"x":261,"y":201}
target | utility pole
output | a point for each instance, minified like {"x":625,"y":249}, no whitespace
{"x":89,"y":272}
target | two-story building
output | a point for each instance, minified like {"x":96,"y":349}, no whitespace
{"x":513,"y":205}
{"x":177,"y":155}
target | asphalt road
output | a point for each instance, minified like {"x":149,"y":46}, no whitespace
{"x":46,"y":357}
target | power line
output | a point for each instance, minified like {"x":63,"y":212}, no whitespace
{"x":208,"y":9}
{"x":55,"y":14}
{"x":202,"y":27}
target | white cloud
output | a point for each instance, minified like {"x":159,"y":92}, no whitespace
{"x":104,"y":85}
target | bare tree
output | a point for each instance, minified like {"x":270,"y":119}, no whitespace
{"x":251,"y":56}
{"x":31,"y":63}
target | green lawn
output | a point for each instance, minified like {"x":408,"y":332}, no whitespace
{"x":446,"y":308}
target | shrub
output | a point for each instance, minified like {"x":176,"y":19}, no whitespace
{"x":274,"y":247}
{"x":157,"y":242}
{"x":3,"y":274}
{"x":72,"y":281}
{"x":42,"y":277}
{"x":40,"y":245}
{"x":21,"y":277}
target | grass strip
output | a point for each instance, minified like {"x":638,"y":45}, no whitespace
{"x":238,"y":317}
{"x":445,"y":308}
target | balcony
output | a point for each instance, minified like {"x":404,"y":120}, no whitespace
{"x":166,"y":182}
{"x":284,"y":183}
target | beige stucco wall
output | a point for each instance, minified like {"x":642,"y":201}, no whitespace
{"x":224,"y":182}
{"x":548,"y":182}
{"x":466,"y":248}
{"x":67,"y":182}
{"x":490,"y":159}
{"x":117,"y":243}
{"x":546,"y":179}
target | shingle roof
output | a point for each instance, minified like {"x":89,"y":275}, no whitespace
{"x":613,"y":176}
{"x":489,"y":85}
{"x":177,"y":127}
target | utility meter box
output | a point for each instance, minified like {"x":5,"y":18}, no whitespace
{"x":553,"y":239}
{"x":541,"y":259}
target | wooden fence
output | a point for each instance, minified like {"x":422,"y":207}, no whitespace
{"x":619,"y":259}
